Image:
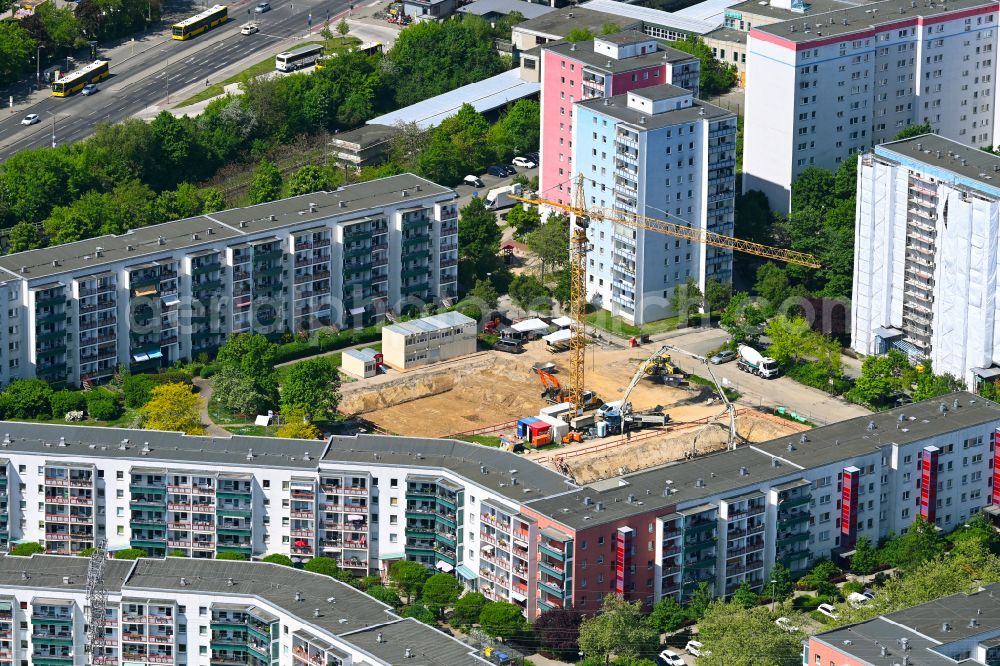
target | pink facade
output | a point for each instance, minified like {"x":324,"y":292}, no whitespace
{"x":823,"y":655}
{"x":562,"y":85}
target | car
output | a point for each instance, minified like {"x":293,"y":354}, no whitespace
{"x":249,"y":29}
{"x":828,"y":610}
{"x":724,"y":356}
{"x":857,"y":600}
{"x":474,"y":181}
{"x":533,"y":156}
{"x":696,"y":649}
{"x":262,"y":7}
{"x":671,"y":658}
{"x":509,"y":168}
{"x":870,"y":594}
{"x":31,"y":119}
{"x":90,"y":89}
{"x":498,"y":171}
{"x":786,"y":624}
{"x":524,"y":162}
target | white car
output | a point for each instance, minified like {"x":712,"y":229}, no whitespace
{"x":474,"y":181}
{"x":523,"y":162}
{"x":786,"y":624}
{"x":90,"y":89}
{"x":671,"y":658}
{"x":857,"y":600}
{"x":696,"y":649}
{"x":31,"y":119}
{"x":828,"y":610}
{"x":249,"y":29}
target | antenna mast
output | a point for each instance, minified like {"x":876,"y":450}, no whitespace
{"x":97,"y":601}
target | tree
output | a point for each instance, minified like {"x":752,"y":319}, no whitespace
{"x":699,"y":601}
{"x":913,"y":130}
{"x":235,"y":557}
{"x":238,"y":393}
{"x":484,"y":293}
{"x":516,"y":131}
{"x":502,"y":620}
{"x":421,"y":613}
{"x":28,"y":399}
{"x":265,"y":185}
{"x":408,"y":577}
{"x":343,"y":29}
{"x":733,"y":635}
{"x":278,"y":558}
{"x":743,"y":318}
{"x":173,"y":407}
{"x":822,"y":572}
{"x":312,"y":386}
{"x":918,"y":544}
{"x":24,"y":236}
{"x":716,"y":77}
{"x":296,"y":425}
{"x":440,"y":591}
{"x":253,"y":355}
{"x":881,"y":379}
{"x":17,"y":49}
{"x":619,"y":629}
{"x":467,"y":609}
{"x":745,"y":597}
{"x":309,"y":179}
{"x":686,"y":299}
{"x":929,"y":385}
{"x":137,"y":389}
{"x":717,"y":294}
{"x":610,"y":28}
{"x":478,"y":240}
{"x":558,"y":631}
{"x":550,"y":242}
{"x":865,"y":558}
{"x":129,"y":554}
{"x":384,"y":594}
{"x":26,"y":549}
{"x":326,"y":566}
{"x":524,"y":220}
{"x":579,"y":35}
{"x":64,"y":402}
{"x":529,"y":293}
{"x":977,"y":534}
{"x":103,"y":405}
{"x":780,"y":586}
{"x":667,"y":615}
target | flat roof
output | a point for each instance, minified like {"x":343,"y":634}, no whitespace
{"x":711,"y":11}
{"x":660,"y":92}
{"x":432,"y":323}
{"x":616,"y":107}
{"x":528,"y":10}
{"x":727,"y":35}
{"x":650,"y":16}
{"x":829,"y":24}
{"x":584,"y":52}
{"x":367,"y":354}
{"x":365,"y":136}
{"x":559,"y":23}
{"x":967,"y":166}
{"x":146,"y":243}
{"x":47,"y":572}
{"x":813,"y":7}
{"x":485,"y":95}
{"x":428,"y":646}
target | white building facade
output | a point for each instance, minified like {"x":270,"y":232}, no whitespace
{"x":833,"y":83}
{"x":658,"y":152}
{"x":428,"y":340}
{"x":927,"y":235}
{"x":147,"y":298}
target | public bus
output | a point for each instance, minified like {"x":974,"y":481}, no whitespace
{"x":201,"y":22}
{"x":368,"y":48}
{"x":289,"y":61}
{"x":74,"y":81}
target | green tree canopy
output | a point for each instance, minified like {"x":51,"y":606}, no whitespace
{"x":716,"y":77}
{"x":266,"y":183}
{"x":918,"y":544}
{"x":912,"y":131}
{"x":478,"y":241}
{"x":313,"y":386}
{"x":550,"y":242}
{"x":619,"y":629}
{"x":327,"y":566}
{"x":529,"y":294}
{"x":558,"y":631}
{"x":524,"y":220}
{"x":28,"y":399}
{"x":384,"y":594}
{"x":745,"y":597}
{"x":440,"y":591}
{"x":743,"y":319}
{"x":667,"y":615}
{"x":408,"y":577}
{"x":502,"y":620}
{"x":467,"y":609}
{"x":780,"y":586}
{"x":865,"y":558}
{"x":686,"y":299}
{"x":734,"y":635}
{"x":278,"y":558}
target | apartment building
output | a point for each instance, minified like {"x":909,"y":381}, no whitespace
{"x":175,"y":612}
{"x":961,"y":628}
{"x":172,"y":291}
{"x":925,"y":256}
{"x":417,"y":342}
{"x":832,"y":83}
{"x":509,"y":528}
{"x":662,"y":153}
{"x":574,"y":72}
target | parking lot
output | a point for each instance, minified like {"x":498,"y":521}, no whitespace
{"x":465,"y":192}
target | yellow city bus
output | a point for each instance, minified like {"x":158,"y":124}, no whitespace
{"x":201,"y":22}
{"x":74,"y":82}
{"x":368,"y":48}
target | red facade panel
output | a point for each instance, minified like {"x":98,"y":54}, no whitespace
{"x":849,"y":508}
{"x":928,"y":483}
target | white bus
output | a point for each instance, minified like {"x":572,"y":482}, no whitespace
{"x":289,"y":61}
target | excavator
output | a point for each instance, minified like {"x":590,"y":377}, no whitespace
{"x":555,"y":393}
{"x":661,"y":370}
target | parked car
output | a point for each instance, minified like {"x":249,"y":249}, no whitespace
{"x":869,"y":593}
{"x":533,"y":156}
{"x":786,"y":624}
{"x":474,"y":181}
{"x":509,"y":168}
{"x":249,"y":29}
{"x":262,"y":7}
{"x":671,"y":658}
{"x":857,"y":600}
{"x":524,"y":162}
{"x":696,"y":649}
{"x":828,"y":610}
{"x":31,"y":119}
{"x":89,"y":89}
{"x":724,"y":356}
{"x":498,"y":171}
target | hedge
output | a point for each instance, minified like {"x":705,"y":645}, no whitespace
{"x":296,"y":349}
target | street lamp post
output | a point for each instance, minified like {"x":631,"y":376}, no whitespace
{"x":774,"y":582}
{"x":53,"y":128}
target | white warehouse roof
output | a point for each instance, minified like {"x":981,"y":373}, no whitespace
{"x":484,"y":95}
{"x":436,"y":322}
{"x":653,"y":16}
{"x":712,"y":11}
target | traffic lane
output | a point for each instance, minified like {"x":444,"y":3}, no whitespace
{"x":143,"y":91}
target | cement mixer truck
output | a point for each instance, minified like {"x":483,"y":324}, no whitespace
{"x":750,"y":360}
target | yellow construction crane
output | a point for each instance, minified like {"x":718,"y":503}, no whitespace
{"x":580,"y":246}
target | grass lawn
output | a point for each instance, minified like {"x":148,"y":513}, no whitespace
{"x":332,"y":46}
{"x":606,"y":321}
{"x":253,"y":430}
{"x":703,"y":381}
{"x":485,"y":440}
{"x":222,"y":416}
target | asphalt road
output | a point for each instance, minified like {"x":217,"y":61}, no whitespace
{"x":140,"y":78}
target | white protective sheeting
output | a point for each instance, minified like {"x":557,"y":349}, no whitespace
{"x":562,"y":335}
{"x":563,"y":322}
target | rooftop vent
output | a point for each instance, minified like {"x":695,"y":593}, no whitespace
{"x":955,"y":404}
{"x":920,"y":146}
{"x":210,"y":231}
{"x":343,"y":204}
{"x":630,"y":499}
{"x":904,"y":643}
{"x":744,"y":471}
{"x":65,"y":580}
{"x":883,"y":651}
{"x":316,"y":612}
{"x":599,"y":506}
{"x":145,"y":448}
{"x":312,"y":207}
{"x":791,"y":447}
{"x":298,"y":596}
{"x":803,"y":438}
{"x":99,"y":252}
{"x":184,"y":581}
{"x":62,"y":441}
{"x":973,"y":623}
{"x":408,"y":653}
{"x":161,"y":240}
{"x":249,"y":455}
{"x":194,"y":236}
{"x":243,"y":224}
{"x":699,"y":483}
{"x":404,"y":193}
{"x":24,"y":575}
{"x":775,"y":462}
{"x":587,"y":501}
{"x":572,"y":46}
{"x":230,"y":582}
{"x":378,"y":638}
{"x":129,"y":248}
{"x":55,"y":262}
{"x":945,"y":627}
{"x":570,"y":15}
{"x":943,"y":408}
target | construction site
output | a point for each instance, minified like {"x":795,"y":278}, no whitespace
{"x":483,"y":396}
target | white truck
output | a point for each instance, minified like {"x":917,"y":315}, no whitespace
{"x":752,"y":361}
{"x":499,"y":197}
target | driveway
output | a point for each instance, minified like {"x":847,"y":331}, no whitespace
{"x":204,"y":396}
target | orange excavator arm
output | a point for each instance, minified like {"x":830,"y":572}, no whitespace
{"x":549,"y":381}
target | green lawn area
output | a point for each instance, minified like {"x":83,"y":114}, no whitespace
{"x":485,"y":440}
{"x":333,"y":46}
{"x":282,"y":372}
{"x":606,"y":321}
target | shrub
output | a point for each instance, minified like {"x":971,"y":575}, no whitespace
{"x":64,"y":402}
{"x":195,"y":369}
{"x":238,"y":557}
{"x":103,"y":405}
{"x":177,"y":553}
{"x":27,"y":549}
{"x":171,"y":376}
{"x":28,"y":399}
{"x":278,"y":558}
{"x":852,"y":586}
{"x":129,"y":554}
{"x":75,"y":416}
{"x":137,"y":389}
{"x":208,"y":370}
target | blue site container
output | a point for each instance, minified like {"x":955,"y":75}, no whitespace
{"x":522,"y":425}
